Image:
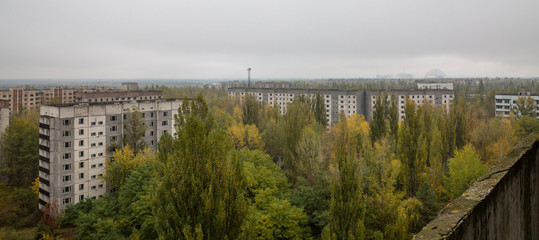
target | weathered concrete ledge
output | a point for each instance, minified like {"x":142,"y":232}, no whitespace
{"x":502,"y":204}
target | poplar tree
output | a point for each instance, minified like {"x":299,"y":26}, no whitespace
{"x":410,"y":148}
{"x":319,"y":109}
{"x":198,"y":193}
{"x":378,"y":123}
{"x":347,"y":211}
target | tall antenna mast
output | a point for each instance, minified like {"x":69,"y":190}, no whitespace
{"x":248,"y":77}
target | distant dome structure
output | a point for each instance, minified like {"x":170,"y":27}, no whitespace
{"x":435,"y":73}
{"x":404,"y":76}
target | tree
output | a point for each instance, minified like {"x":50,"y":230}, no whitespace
{"x":393,"y":118}
{"x":464,"y":169}
{"x":430,"y":204}
{"x":379,"y":123}
{"x":526,"y":125}
{"x":251,"y":110}
{"x":410,"y":148}
{"x":134,"y":129}
{"x":319,"y":109}
{"x":199,"y":191}
{"x":526,"y":106}
{"x":245,"y":136}
{"x":346,"y":210}
{"x":20,"y":152}
{"x":118,"y":168}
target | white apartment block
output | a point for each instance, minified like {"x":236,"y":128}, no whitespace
{"x":74,"y":140}
{"x":505,"y":102}
{"x":437,"y":86}
{"x":347,"y":101}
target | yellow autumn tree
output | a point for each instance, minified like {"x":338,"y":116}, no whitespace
{"x":245,"y":136}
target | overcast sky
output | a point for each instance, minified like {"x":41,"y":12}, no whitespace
{"x":276,"y":38}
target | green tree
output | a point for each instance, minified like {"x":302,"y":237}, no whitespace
{"x":410,"y":148}
{"x":252,"y":109}
{"x":124,"y":160}
{"x":199,"y":191}
{"x":430,"y":204}
{"x":346,"y":210}
{"x":526,"y":125}
{"x":464,"y":169}
{"x":393,"y":112}
{"x":20,"y":152}
{"x":526,"y":106}
{"x":379,"y":123}
{"x":319,"y":109}
{"x":134,"y":129}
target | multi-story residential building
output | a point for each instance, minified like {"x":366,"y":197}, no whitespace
{"x":348,"y":101}
{"x":130,"y":86}
{"x":4,"y":116}
{"x":504,"y":103}
{"x":435,"y":85}
{"x":19,"y":98}
{"x":75,"y":139}
{"x":117,"y":96}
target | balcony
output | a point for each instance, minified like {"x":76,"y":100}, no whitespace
{"x":44,"y":159}
{"x":44,"y":148}
{"x":44,"y":181}
{"x":44,"y":170}
{"x":43,"y":136}
{"x":45,"y":126}
{"x":44,"y":192}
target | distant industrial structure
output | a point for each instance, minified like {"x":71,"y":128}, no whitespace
{"x":75,"y":142}
{"x":504,"y":103}
{"x":347,"y":101}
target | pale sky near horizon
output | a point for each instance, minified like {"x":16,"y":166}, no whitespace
{"x":276,"y":38}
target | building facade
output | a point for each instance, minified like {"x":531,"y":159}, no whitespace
{"x":117,"y":96}
{"x":504,"y":103}
{"x":435,"y":85}
{"x":75,"y":139}
{"x":347,"y":101}
{"x":20,"y":98}
{"x":4,"y":116}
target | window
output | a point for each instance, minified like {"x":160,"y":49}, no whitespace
{"x":66,"y":201}
{"x":151,"y":133}
{"x":92,"y":145}
{"x":81,"y":132}
{"x":81,"y":175}
{"x":164,"y":123}
{"x":81,"y":143}
{"x":81,"y":120}
{"x":100,"y":165}
{"x":100,"y":154}
{"x":151,"y":124}
{"x":113,"y":129}
{"x":81,"y":186}
{"x":113,"y":139}
{"x":81,"y":154}
{"x":67,"y":156}
{"x":66,"y":189}
{"x":66,"y":178}
{"x":125,"y":116}
{"x":93,"y":156}
{"x":100,"y":185}
{"x":100,"y":123}
{"x":66,"y":133}
{"x":93,"y":123}
{"x":66,"y":122}
{"x":100,"y":144}
{"x":112,"y":118}
{"x":143,"y":115}
{"x":67,"y":167}
{"x":81,"y":164}
{"x":93,"y":187}
{"x":81,"y":197}
{"x":93,"y":165}
{"x":94,"y":176}
{"x":151,"y":114}
{"x":100,"y":133}
{"x":100,"y":174}
{"x":93,"y":134}
{"x":165,"y":114}
{"x":67,"y":144}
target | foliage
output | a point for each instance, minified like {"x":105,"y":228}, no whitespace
{"x":134,"y":129}
{"x":526,"y":106}
{"x":430,"y":204}
{"x":464,"y":169}
{"x":199,"y":191}
{"x":118,"y":168}
{"x":526,"y":125}
{"x":245,"y":136}
{"x":20,"y":152}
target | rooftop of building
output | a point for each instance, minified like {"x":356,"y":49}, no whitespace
{"x":335,"y":89}
{"x":113,"y":103}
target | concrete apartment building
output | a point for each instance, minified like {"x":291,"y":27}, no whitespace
{"x":20,"y":98}
{"x":4,"y":116}
{"x":505,"y":102}
{"x":434,"y":85}
{"x":117,"y":96}
{"x":74,"y":140}
{"x":348,"y":101}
